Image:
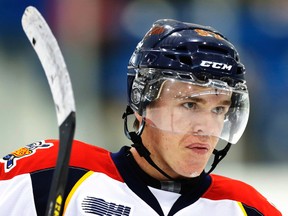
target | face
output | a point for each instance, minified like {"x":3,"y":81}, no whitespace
{"x":183,"y":127}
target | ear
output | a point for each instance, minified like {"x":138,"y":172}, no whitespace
{"x":138,"y":117}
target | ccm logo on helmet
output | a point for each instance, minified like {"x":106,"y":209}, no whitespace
{"x":216,"y":65}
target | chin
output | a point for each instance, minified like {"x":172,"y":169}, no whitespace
{"x":192,"y":171}
{"x":194,"y":174}
{"x":191,"y":174}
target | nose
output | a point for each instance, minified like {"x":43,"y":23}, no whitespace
{"x":204,"y":124}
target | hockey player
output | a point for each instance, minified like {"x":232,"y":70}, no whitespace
{"x":187,"y":92}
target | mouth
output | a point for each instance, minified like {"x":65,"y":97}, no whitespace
{"x":199,"y":148}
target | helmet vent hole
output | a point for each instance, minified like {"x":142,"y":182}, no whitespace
{"x":185,"y":60}
{"x":168,"y":73}
{"x":171,"y":56}
{"x":184,"y":76}
{"x":240,"y":70}
{"x":181,"y":48}
{"x":209,"y":49}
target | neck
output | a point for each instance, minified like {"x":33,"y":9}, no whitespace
{"x":181,"y":185}
{"x":150,"y":170}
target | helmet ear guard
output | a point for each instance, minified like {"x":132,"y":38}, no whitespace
{"x":137,"y":91}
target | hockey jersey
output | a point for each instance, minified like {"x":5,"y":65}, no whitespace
{"x":105,"y":183}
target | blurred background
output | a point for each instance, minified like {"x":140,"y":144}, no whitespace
{"x":97,"y":39}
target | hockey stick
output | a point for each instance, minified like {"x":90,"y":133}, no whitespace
{"x":49,"y":53}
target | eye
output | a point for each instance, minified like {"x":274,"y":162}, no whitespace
{"x":189,"y":105}
{"x":220,"y":110}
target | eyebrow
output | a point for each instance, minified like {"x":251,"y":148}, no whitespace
{"x":201,"y":100}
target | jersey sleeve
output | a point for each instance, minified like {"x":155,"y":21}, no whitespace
{"x":252,"y":202}
{"x":30,"y":158}
{"x":26,"y":174}
{"x":19,"y":195}
{"x":17,"y":190}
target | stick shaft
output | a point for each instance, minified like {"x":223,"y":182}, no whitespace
{"x":51,"y":58}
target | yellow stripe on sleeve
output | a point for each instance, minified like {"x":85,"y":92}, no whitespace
{"x":242,"y":208}
{"x":78,"y":183}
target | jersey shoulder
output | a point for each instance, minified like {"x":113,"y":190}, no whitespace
{"x":42,"y":155}
{"x":227,"y":188}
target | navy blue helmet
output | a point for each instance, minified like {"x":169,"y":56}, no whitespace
{"x":171,"y":60}
{"x":183,"y":51}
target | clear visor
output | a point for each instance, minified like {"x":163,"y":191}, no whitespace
{"x":211,"y":109}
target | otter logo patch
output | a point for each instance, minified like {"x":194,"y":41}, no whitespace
{"x":11,"y":159}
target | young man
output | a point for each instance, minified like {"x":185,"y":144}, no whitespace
{"x":187,"y":91}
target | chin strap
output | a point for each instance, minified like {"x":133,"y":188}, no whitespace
{"x":218,"y":156}
{"x":135,"y":137}
{"x":144,"y":152}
